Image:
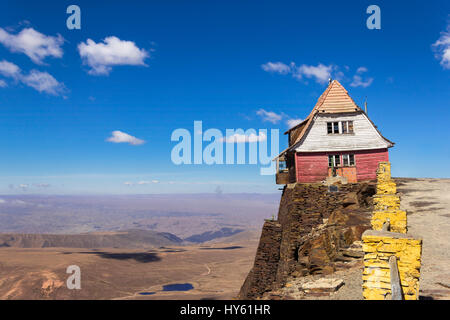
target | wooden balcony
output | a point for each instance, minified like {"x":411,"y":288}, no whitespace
{"x":282,"y":177}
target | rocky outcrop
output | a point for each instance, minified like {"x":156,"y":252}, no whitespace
{"x":314,"y":228}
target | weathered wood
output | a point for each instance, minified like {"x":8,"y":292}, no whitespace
{"x":396,"y":288}
{"x":365,"y":135}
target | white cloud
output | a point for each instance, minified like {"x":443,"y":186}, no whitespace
{"x":276,"y":67}
{"x":243,"y":138}
{"x":321,"y":73}
{"x":269,"y":116}
{"x":442,"y":47}
{"x":122,"y":137}
{"x":359,"y":82}
{"x":293,"y":122}
{"x":9,"y":69}
{"x":361,"y":70}
{"x":40,"y":81}
{"x":35,"y":45}
{"x":140,"y":183}
{"x":43,"y":82}
{"x":101,"y":57}
{"x":3,"y":84}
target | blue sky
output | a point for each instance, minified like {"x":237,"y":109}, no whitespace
{"x":153,"y":67}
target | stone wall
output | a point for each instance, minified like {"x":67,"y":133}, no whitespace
{"x":263,"y":273}
{"x":378,"y":247}
{"x":382,"y":243}
{"x":313,"y":227}
{"x":387,"y":202}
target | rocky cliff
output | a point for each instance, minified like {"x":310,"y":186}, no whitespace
{"x":313,"y":230}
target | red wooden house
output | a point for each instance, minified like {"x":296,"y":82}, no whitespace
{"x":336,"y":139}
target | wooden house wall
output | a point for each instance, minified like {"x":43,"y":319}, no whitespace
{"x":365,"y":136}
{"x":313,"y":166}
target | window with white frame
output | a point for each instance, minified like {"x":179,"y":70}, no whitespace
{"x":340,"y":127}
{"x":348,"y":159}
{"x":334,"y":160}
{"x":332,"y":127}
{"x":347,"y":126}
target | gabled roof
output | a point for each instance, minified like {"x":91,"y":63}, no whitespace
{"x":335,"y":99}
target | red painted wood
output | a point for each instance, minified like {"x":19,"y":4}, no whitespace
{"x":313,"y":167}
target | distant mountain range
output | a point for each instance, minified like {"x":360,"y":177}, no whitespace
{"x":121,"y":239}
{"x":112,"y":239}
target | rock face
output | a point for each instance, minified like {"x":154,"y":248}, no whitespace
{"x":313,"y":229}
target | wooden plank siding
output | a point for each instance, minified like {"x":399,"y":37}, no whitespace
{"x":365,"y":135}
{"x":313,"y":166}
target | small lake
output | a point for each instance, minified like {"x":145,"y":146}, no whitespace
{"x":178,"y":287}
{"x":146,"y":293}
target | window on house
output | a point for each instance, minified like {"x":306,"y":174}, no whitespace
{"x":282,"y":166}
{"x":348,"y":159}
{"x":334,"y":160}
{"x":347,"y":126}
{"x":332,"y":127}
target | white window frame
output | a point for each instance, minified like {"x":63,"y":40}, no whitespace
{"x":334,"y":160}
{"x":347,"y":156}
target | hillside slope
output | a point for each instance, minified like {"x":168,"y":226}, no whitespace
{"x":122,"y":239}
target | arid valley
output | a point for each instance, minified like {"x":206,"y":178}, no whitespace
{"x":141,"y":258}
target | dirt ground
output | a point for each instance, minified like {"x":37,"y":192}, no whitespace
{"x":427,"y":202}
{"x":216,"y":271}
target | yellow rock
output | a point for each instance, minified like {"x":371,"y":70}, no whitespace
{"x":378,"y":247}
{"x":383,"y":202}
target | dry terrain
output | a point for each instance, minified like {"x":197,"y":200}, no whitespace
{"x":215,"y":271}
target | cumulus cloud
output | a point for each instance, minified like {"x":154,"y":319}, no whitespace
{"x":9,"y":69}
{"x":35,"y":45}
{"x":122,"y":137}
{"x":293,"y":122}
{"x":38,"y":80}
{"x":359,"y":82}
{"x":102,"y":56}
{"x":243,"y":138}
{"x":43,"y":82}
{"x":276,"y":67}
{"x":3,"y":84}
{"x":361,"y":70}
{"x":321,"y":73}
{"x":442,"y":48}
{"x":269,"y":116}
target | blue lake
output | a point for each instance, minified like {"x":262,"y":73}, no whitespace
{"x":146,"y":293}
{"x":178,"y":287}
